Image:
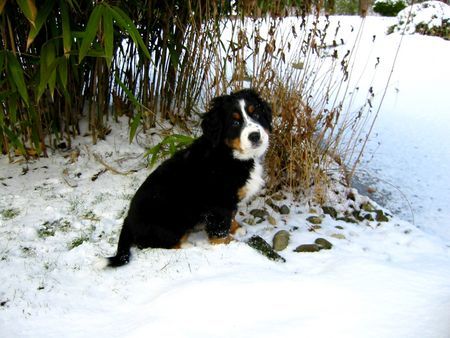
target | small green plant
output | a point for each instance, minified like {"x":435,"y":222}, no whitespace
{"x":168,"y":147}
{"x":10,"y":213}
{"x":388,"y":7}
{"x":48,"y":228}
{"x":78,"y":241}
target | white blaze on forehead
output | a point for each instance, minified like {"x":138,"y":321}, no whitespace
{"x":242,"y":105}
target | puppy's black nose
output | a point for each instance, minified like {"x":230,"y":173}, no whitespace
{"x":254,"y":137}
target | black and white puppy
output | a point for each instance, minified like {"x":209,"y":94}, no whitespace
{"x":203,"y":183}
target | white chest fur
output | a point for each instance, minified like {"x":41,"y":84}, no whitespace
{"x":254,"y":183}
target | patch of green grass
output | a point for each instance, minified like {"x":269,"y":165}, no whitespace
{"x":9,"y":213}
{"x":91,"y":216}
{"x":48,"y":228}
{"x":78,"y":241}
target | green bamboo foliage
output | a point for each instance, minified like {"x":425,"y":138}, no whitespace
{"x":56,"y":63}
{"x":156,"y":60}
{"x":62,"y":59}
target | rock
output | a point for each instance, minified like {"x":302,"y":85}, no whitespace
{"x":330,"y":211}
{"x":338,"y":236}
{"x":380,"y":216}
{"x":351,"y":196}
{"x":357,"y":215}
{"x":280,"y":240}
{"x":271,"y":220}
{"x":314,"y":227}
{"x":367,"y":207}
{"x":278,"y":197}
{"x":260,"y":213}
{"x":249,"y":221}
{"x":347,"y":219}
{"x":314,"y":220}
{"x":340,"y":227}
{"x":284,"y":210}
{"x":271,"y":204}
{"x":264,"y":248}
{"x":308,"y":248}
{"x":368,"y":217}
{"x":322,"y":242}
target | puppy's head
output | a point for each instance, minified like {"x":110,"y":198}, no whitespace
{"x":242,"y":121}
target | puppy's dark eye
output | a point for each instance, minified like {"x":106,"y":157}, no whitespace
{"x":236,"y":119}
{"x":236,"y":123}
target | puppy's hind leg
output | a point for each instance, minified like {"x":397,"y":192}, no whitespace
{"x":122,"y":256}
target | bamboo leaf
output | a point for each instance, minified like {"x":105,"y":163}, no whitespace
{"x":2,"y":5}
{"x":40,"y":20}
{"x":15,"y":141}
{"x":16,"y":72}
{"x":108,"y":36}
{"x":62,"y":72}
{"x":90,"y":32}
{"x":50,"y":58}
{"x":67,"y":35}
{"x":49,"y":64}
{"x":134,"y":125}
{"x":28,"y":8}
{"x":127,"y":25}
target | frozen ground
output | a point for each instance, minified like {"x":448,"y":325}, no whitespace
{"x":381,"y":279}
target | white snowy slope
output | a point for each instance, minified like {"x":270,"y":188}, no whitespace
{"x":380,"y":279}
{"x":408,"y":158}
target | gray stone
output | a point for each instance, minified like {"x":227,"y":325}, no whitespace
{"x":323,"y":243}
{"x":308,"y":248}
{"x":260,"y":213}
{"x":314,"y":220}
{"x":330,"y":211}
{"x":280,"y":240}
{"x":380,"y":216}
{"x":284,"y":210}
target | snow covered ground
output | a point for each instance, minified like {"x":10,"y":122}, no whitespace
{"x":59,"y":215}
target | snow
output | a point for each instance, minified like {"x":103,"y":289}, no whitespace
{"x":389,"y":279}
{"x":429,"y":13}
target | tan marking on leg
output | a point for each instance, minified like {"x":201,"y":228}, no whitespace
{"x":234,"y":226}
{"x":220,"y":240}
{"x":182,"y":241}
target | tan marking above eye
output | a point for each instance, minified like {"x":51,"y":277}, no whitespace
{"x":251,"y":108}
{"x":236,"y":116}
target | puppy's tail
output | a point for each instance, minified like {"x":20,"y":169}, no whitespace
{"x":123,"y":254}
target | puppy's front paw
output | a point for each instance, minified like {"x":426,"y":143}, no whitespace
{"x":220,"y":240}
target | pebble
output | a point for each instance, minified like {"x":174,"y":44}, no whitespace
{"x":280,"y":240}
{"x":323,"y":243}
{"x":314,"y":220}
{"x":271,"y":220}
{"x":367,"y":207}
{"x":308,"y":248}
{"x":338,"y":236}
{"x":284,"y":210}
{"x":380,"y":216}
{"x":260,"y":213}
{"x":330,"y":211}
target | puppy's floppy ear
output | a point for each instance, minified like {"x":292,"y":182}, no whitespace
{"x":212,"y":123}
